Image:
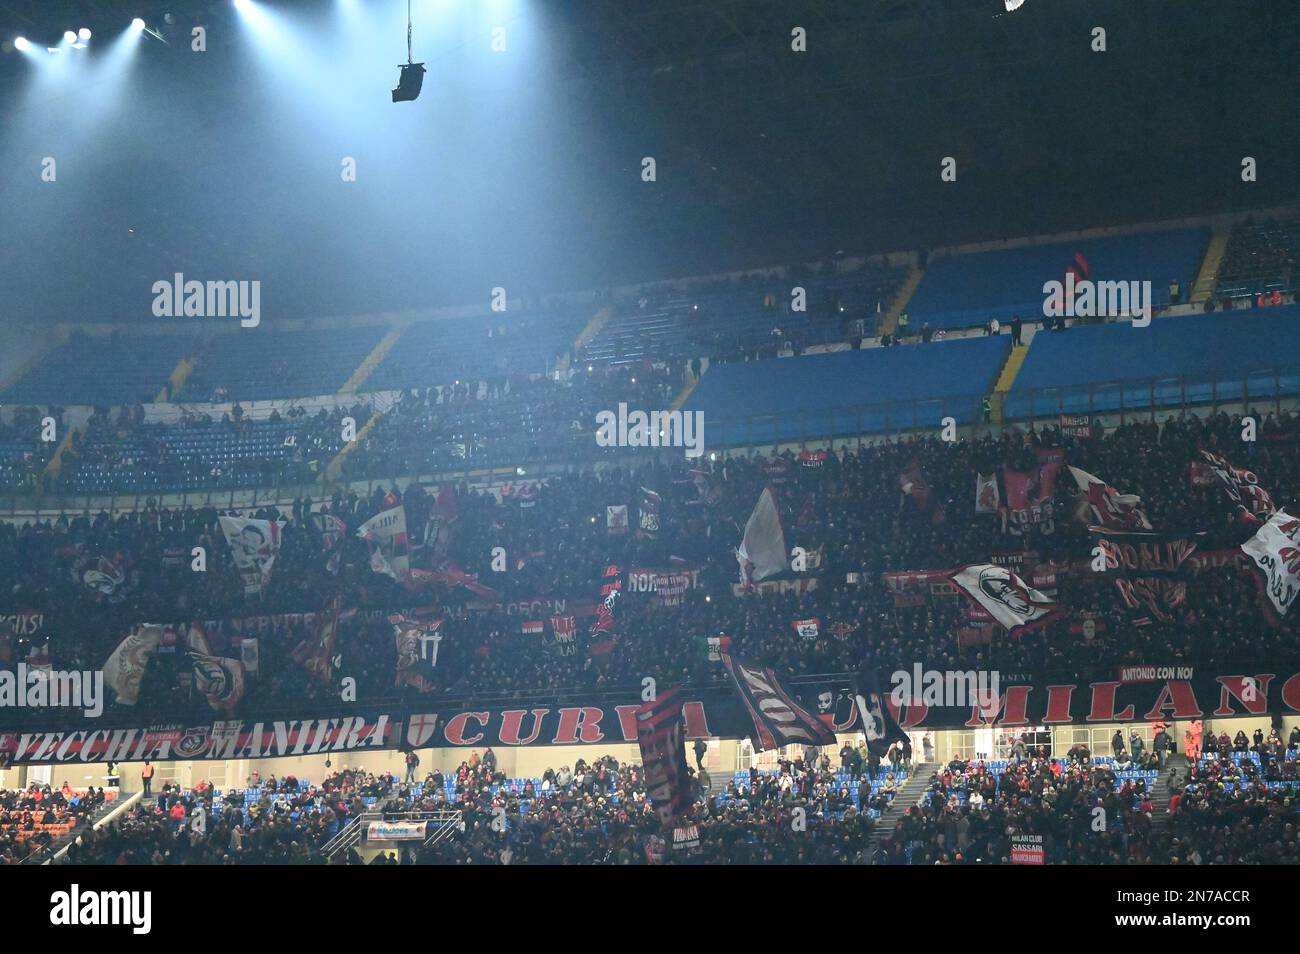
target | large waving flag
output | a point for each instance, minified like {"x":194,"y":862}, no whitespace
{"x":330,"y":530}
{"x":778,"y":719}
{"x":663,"y":755}
{"x":987,"y":497}
{"x":1275,"y":548}
{"x":1029,"y":495}
{"x":611,"y":591}
{"x":449,"y":573}
{"x":878,"y":723}
{"x":317,"y":652}
{"x":913,"y":484}
{"x":254,"y":545}
{"x":762,"y":552}
{"x":124,"y":669}
{"x":417,"y":650}
{"x":1004,"y":596}
{"x":1241,"y":486}
{"x":1110,"y":508}
{"x":221,"y":679}
{"x":390,"y":551}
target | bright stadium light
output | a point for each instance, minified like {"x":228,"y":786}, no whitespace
{"x":84,"y":33}
{"x":137,"y":25}
{"x":21,"y":44}
{"x":69,"y":37}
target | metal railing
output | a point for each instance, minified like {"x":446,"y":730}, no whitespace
{"x":443,"y":822}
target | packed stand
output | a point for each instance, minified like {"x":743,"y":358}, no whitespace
{"x":93,"y":577}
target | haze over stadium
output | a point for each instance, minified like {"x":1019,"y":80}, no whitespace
{"x":742,"y":433}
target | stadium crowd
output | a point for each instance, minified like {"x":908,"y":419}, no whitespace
{"x":90,"y":578}
{"x":801,"y":813}
{"x":33,"y":817}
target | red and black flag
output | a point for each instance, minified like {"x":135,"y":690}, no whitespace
{"x":663,"y":755}
{"x":611,"y":591}
{"x":1253,"y":503}
{"x":649,"y":514}
{"x":417,"y":650}
{"x":914,"y":484}
{"x":318,"y":652}
{"x":778,"y":719}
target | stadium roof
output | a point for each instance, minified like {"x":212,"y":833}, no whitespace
{"x":530,"y":177}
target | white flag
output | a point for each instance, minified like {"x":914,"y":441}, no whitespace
{"x":1003,"y":595}
{"x":249,"y":653}
{"x":254,"y":544}
{"x":385,"y":533}
{"x":987,"y":498}
{"x":1275,"y":548}
{"x":762,"y":552}
{"x":1110,"y":508}
{"x":616,"y":518}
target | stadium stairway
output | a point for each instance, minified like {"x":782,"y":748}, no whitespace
{"x":1208,"y":276}
{"x":590,"y":331}
{"x":889,"y":324}
{"x":177,"y":380}
{"x":1007,"y":377}
{"x":918,"y":780}
{"x":101,"y":816}
{"x":1160,"y":791}
{"x":35,"y":358}
{"x":371,"y":361}
{"x":688,"y":387}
